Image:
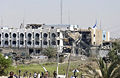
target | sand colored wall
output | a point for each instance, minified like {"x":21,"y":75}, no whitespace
{"x":97,"y":36}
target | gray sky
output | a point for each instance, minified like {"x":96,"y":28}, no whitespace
{"x":82,"y":12}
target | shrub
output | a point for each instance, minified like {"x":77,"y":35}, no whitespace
{"x":50,"y":52}
{"x":4,"y":64}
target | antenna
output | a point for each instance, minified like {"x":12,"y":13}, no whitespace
{"x":100,"y":25}
{"x":96,"y":22}
{"x":61,"y":5}
{"x":23,"y":22}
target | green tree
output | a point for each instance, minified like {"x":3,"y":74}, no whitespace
{"x":107,"y":70}
{"x":50,"y":52}
{"x":113,"y":54}
{"x":4,"y":64}
{"x":91,"y":72}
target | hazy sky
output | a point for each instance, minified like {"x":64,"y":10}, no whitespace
{"x":82,"y":12}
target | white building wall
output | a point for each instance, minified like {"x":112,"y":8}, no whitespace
{"x":108,"y":36}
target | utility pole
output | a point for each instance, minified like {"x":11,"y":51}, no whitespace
{"x":57,"y":63}
{"x":61,"y":6}
{"x":58,"y":47}
{"x":72,"y":51}
{"x":68,"y":65}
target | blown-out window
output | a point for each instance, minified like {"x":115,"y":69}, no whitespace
{"x":21,"y":42}
{"x":29,"y":34}
{"x":45,"y":35}
{"x":53,"y":35}
{"x":53,"y":43}
{"x":21,"y":35}
{"x":45,"y":42}
{"x":6,"y":35}
{"x":6,"y":42}
{"x":14,"y":42}
{"x":37,"y":42}
{"x":29,"y":42}
{"x":14,"y":35}
{"x":37,"y":35}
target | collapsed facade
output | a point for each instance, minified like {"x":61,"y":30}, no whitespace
{"x":66,"y":38}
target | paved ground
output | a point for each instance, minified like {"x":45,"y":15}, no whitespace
{"x":3,"y":77}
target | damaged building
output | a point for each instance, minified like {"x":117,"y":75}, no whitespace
{"x":69,"y":38}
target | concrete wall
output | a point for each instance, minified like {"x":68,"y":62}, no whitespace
{"x":30,"y":38}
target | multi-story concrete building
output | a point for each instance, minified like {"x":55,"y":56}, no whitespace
{"x":37,"y":36}
{"x":98,"y":36}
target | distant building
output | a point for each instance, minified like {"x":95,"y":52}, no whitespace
{"x":34,"y":37}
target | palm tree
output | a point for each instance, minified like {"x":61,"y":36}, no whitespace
{"x":111,"y":70}
{"x":91,"y":72}
{"x":107,"y":70}
{"x":114,"y":52}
